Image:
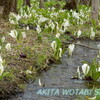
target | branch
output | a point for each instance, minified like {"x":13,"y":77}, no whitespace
{"x":80,"y":45}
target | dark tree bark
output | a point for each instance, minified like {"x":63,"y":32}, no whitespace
{"x":7,"y":7}
{"x":26,"y":2}
{"x":70,"y":5}
{"x":95,"y":10}
{"x":41,"y":3}
{"x":10,"y":5}
{"x":14,"y":6}
{"x":86,"y":2}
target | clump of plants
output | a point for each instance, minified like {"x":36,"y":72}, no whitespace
{"x":91,"y":71}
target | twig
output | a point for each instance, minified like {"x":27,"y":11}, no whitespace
{"x":81,"y":45}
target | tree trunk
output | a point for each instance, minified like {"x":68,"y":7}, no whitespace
{"x":41,"y":3}
{"x":70,"y":5}
{"x":7,"y":8}
{"x":26,"y":2}
{"x":95,"y":10}
{"x":14,"y":6}
{"x":85,"y":2}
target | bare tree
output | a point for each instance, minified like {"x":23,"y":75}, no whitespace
{"x":95,"y":10}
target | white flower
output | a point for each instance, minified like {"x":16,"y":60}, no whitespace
{"x":29,"y":72}
{"x":57,"y":27}
{"x":54,"y":45}
{"x":0,"y":47}
{"x":61,"y":31}
{"x":23,"y":34}
{"x":92,"y":98}
{"x":1,"y":61}
{"x":91,"y":29}
{"x":12,"y":21}
{"x":60,"y":52}
{"x":98,"y":54}
{"x":98,"y":69}
{"x":1,"y":69}
{"x":51,"y":24}
{"x":38,"y":29}
{"x":79,"y":33}
{"x":27,"y":28}
{"x":75,"y":14}
{"x":18,"y":17}
{"x":78,"y":72}
{"x":13,"y":34}
{"x":71,"y":49}
{"x":3,"y":39}
{"x":8,"y":46}
{"x":65,"y":24}
{"x":42,"y":19}
{"x":46,"y":26}
{"x":85,"y":68}
{"x":1,"y":66}
{"x":40,"y":84}
{"x":98,"y":46}
{"x":53,"y":8}
{"x":57,"y":35}
{"x":92,"y":35}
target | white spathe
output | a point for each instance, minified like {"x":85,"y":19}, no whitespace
{"x":78,"y":72}
{"x":85,"y":68}
{"x":29,"y":71}
{"x":23,"y":34}
{"x":60,"y":52}
{"x":1,"y":61}
{"x":38,"y":28}
{"x":1,"y":69}
{"x":51,"y":24}
{"x":40,"y":84}
{"x":54,"y":45}
{"x":98,"y":46}
{"x":1,"y":66}
{"x":13,"y":34}
{"x":0,"y":47}
{"x":65,"y":24}
{"x":71,"y":49}
{"x":57,"y":35}
{"x":79,"y":33}
{"x":8,"y":46}
{"x":98,"y":69}
{"x":3,"y":39}
{"x":57,"y":27}
{"x":92,"y":35}
{"x":27,"y":28}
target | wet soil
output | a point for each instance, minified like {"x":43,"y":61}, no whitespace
{"x":59,"y":77}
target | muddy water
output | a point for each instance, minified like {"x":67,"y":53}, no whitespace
{"x":58,"y":79}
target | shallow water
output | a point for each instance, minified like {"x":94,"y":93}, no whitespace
{"x":58,"y":79}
